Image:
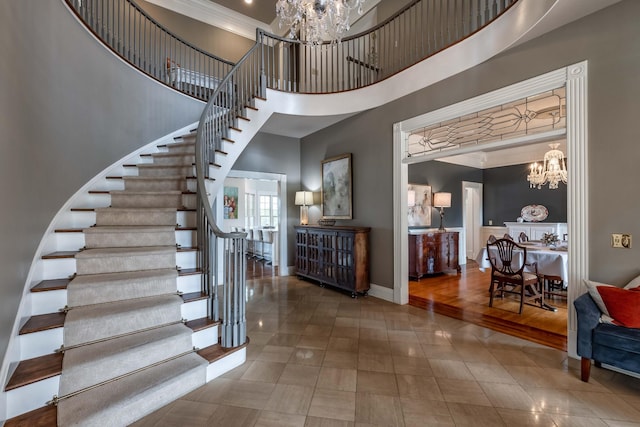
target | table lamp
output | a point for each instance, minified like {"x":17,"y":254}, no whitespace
{"x":304,"y":199}
{"x":441,"y":201}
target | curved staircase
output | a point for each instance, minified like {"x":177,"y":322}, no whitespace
{"x":120,"y":327}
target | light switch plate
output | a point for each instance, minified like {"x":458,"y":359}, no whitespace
{"x":619,"y":240}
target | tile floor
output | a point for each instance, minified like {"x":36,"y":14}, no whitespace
{"x":318,"y":358}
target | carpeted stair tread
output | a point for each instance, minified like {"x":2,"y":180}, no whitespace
{"x":100,"y":321}
{"x":135,"y":216}
{"x":146,"y":199}
{"x":112,"y":260}
{"x":94,"y":364}
{"x":124,"y":401}
{"x":108,"y":287}
{"x":155,"y":183}
{"x":107,"y":236}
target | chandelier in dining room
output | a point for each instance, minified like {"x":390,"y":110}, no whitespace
{"x":316,"y":20}
{"x":552,"y":170}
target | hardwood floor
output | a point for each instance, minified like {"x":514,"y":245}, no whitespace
{"x":465,"y":296}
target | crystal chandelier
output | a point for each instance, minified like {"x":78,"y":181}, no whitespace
{"x":316,"y":20}
{"x":553,"y":170}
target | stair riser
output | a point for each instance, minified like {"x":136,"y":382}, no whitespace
{"x":114,"y":264}
{"x":175,"y":159}
{"x":186,"y":259}
{"x":128,"y":240}
{"x":133,"y":217}
{"x":189,"y":148}
{"x":224,"y":365}
{"x":137,"y":200}
{"x":194,"y":310}
{"x":187,"y":238}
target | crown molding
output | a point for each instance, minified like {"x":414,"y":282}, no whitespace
{"x":216,"y":15}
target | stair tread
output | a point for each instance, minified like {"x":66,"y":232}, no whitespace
{"x":43,"y":322}
{"x":51,"y":285}
{"x":189,"y":271}
{"x":193,"y":296}
{"x":90,"y":253}
{"x":32,"y":370}
{"x":201,"y":323}
{"x":46,"y":416}
{"x":60,"y":255}
{"x":187,"y":248}
{"x":216,"y":352}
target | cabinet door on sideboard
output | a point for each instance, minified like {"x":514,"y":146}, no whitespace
{"x":432,"y":252}
{"x":336,"y":256}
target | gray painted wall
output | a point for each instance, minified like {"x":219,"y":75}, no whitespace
{"x":211,"y":39}
{"x":609,"y":41}
{"x":68,"y":109}
{"x":277,"y":154}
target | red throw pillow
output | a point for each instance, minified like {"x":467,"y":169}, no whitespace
{"x":623,"y":305}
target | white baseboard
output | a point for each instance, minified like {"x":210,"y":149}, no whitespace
{"x":381,"y":292}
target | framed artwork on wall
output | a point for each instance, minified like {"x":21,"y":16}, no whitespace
{"x":337,"y":188}
{"x":420,"y":202}
{"x":230,"y":202}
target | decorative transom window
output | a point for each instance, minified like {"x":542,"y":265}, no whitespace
{"x":535,"y":114}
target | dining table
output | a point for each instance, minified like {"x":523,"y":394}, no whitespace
{"x":550,"y":261}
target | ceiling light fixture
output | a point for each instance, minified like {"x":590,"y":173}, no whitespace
{"x":316,"y":20}
{"x":553,"y":170}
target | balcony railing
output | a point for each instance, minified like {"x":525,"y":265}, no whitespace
{"x":421,"y":29}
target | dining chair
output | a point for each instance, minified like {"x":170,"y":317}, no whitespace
{"x":491,"y":238}
{"x":523,"y":237}
{"x":507,"y":236}
{"x":508,"y":273}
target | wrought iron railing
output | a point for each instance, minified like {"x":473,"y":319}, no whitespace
{"x":419,"y":30}
{"x":135,"y":36}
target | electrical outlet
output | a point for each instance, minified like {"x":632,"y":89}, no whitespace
{"x":619,"y":240}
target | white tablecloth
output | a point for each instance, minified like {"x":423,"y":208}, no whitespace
{"x":550,"y":262}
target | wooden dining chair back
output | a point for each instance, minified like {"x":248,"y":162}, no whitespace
{"x":523,"y":237}
{"x":508,"y":262}
{"x":507,"y":236}
{"x":491,"y":238}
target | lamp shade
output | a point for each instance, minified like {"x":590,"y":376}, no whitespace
{"x":411,"y":198}
{"x":304,"y":198}
{"x":442,"y":200}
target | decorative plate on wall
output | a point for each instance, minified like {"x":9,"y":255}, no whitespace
{"x":534,"y":213}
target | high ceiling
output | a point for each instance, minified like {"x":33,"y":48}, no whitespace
{"x":261,"y":10}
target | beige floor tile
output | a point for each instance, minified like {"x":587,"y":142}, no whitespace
{"x":322,"y":319}
{"x":476,"y":354}
{"x":253,"y":351}
{"x":342,"y":344}
{"x":442,"y":352}
{"x":188,"y":414}
{"x":233,"y":416}
{"x":490,"y":373}
{"x":290,"y":399}
{"x":268,"y":372}
{"x":277,"y":419}
{"x":609,"y":406}
{"x":412,"y":366}
{"x":472,"y":415}
{"x":213,"y":392}
{"x":375,"y":362}
{"x":346,"y":332}
{"x":248,"y":394}
{"x":508,"y":396}
{"x":422,"y":387}
{"x":260,"y":338}
{"x":307,"y":356}
{"x":374,"y":346}
{"x":407,"y":349}
{"x":337,"y":379}
{"x":398,"y":325}
{"x":450,"y":369}
{"x":347,"y":322}
{"x":304,"y":375}
{"x":553,"y":401}
{"x":274,"y":353}
{"x":318,"y":330}
{"x":340,"y":359}
{"x":327,"y":422}
{"x":340,"y":405}
{"x":315,"y":342}
{"x":374,"y":334}
{"x":419,"y":412}
{"x":403,"y":336}
{"x":378,"y":410}
{"x":433,"y":337}
{"x":462,"y":391}
{"x":575,"y":421}
{"x":513,"y":417}
{"x":284,"y":340}
{"x":377,"y":382}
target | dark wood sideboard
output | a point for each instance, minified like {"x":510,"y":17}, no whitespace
{"x":433,"y":252}
{"x":336,"y":256}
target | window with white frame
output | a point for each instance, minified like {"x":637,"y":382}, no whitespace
{"x":269,"y":210}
